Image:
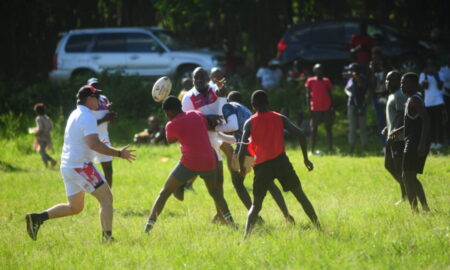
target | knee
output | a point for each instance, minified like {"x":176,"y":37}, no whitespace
{"x":77,"y":208}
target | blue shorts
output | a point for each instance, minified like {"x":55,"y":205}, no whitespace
{"x":183,"y":174}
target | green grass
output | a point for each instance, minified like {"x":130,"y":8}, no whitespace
{"x":353,"y":197}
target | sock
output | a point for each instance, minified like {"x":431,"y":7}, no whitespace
{"x":43,"y":216}
{"x":149,"y":225}
{"x":228,"y":217}
{"x":106,"y":234}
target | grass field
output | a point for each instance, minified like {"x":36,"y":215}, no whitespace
{"x":353,"y":196}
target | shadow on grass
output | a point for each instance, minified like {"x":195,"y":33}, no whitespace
{"x":6,"y":167}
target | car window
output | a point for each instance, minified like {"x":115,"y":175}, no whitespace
{"x":114,"y":42}
{"x":327,"y":33}
{"x":137,"y":42}
{"x":78,"y":43}
{"x":298,"y":35}
{"x":351,"y":28}
{"x":171,"y":41}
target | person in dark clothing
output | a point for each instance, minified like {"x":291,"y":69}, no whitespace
{"x":417,"y":141}
{"x":266,"y":130}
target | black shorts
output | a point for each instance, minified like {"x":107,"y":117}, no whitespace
{"x":393,"y":157}
{"x":325,"y":117}
{"x":412,"y":162}
{"x":279,"y":168}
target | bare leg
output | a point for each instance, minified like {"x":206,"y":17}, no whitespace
{"x":253,"y":215}
{"x":238,"y":183}
{"x":313,"y":136}
{"x":279,"y":199}
{"x":169,"y":187}
{"x":108,"y":171}
{"x":74,"y":205}
{"x":421,"y":195}
{"x":409,"y":180}
{"x":329,"y":131}
{"x":105,"y":198}
{"x":306,"y":204}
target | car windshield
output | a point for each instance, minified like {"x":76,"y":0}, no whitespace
{"x":171,"y":41}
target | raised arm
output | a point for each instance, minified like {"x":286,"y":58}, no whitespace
{"x":294,"y":130}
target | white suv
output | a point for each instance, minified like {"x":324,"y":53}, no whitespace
{"x":141,"y":51}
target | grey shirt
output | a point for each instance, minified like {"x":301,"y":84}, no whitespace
{"x":44,"y":125}
{"x":395,"y":112}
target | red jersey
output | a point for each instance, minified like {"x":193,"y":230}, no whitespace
{"x":363,"y":54}
{"x":319,"y":90}
{"x":267,"y":136}
{"x":190,"y":129}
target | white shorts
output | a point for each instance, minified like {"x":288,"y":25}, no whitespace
{"x":99,"y":158}
{"x":86,"y":179}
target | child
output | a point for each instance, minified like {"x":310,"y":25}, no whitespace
{"x":266,"y":129}
{"x":187,"y":84}
{"x":417,"y":141}
{"x":42,"y":132}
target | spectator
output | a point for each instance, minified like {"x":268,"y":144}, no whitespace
{"x":154,"y":134}
{"x":42,"y":134}
{"x":378,"y":93}
{"x":434,"y":103}
{"x":361,"y":45}
{"x":320,"y":105}
{"x":444,"y":74}
{"x":356,"y":90}
{"x":269,"y":77}
{"x":187,"y":85}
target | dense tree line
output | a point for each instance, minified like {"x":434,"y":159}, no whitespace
{"x":30,"y":27}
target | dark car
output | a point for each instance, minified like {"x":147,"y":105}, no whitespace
{"x":328,"y":42}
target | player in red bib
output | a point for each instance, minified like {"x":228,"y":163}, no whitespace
{"x":198,"y":158}
{"x":266,"y":130}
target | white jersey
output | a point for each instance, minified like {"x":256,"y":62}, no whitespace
{"x":433,"y":95}
{"x":101,"y":111}
{"x":210,"y":104}
{"x":75,"y":151}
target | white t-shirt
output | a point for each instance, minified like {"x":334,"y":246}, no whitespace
{"x":444,"y":74}
{"x":270,"y":78}
{"x":75,"y":151}
{"x":433,"y":95}
{"x":101,"y":111}
{"x":207,"y":105}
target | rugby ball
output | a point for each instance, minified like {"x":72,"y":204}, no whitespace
{"x":161,"y":89}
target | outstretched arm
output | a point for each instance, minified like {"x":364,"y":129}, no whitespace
{"x":95,"y":144}
{"x":294,"y":130}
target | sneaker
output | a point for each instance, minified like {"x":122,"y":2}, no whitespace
{"x":219,"y":219}
{"x":108,"y":239}
{"x":33,"y":225}
{"x":179,"y":193}
{"x":53,"y":163}
{"x":290,"y":219}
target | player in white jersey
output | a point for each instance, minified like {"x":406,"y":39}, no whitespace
{"x":104,"y":116}
{"x":78,"y":172}
{"x":209,"y":100}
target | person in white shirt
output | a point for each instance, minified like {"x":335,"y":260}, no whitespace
{"x":434,"y":103}
{"x":269,"y":77}
{"x":444,"y":74}
{"x":104,"y":116}
{"x":209,"y":100}
{"x":78,"y":172}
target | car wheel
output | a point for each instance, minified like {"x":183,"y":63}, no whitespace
{"x":410,"y":64}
